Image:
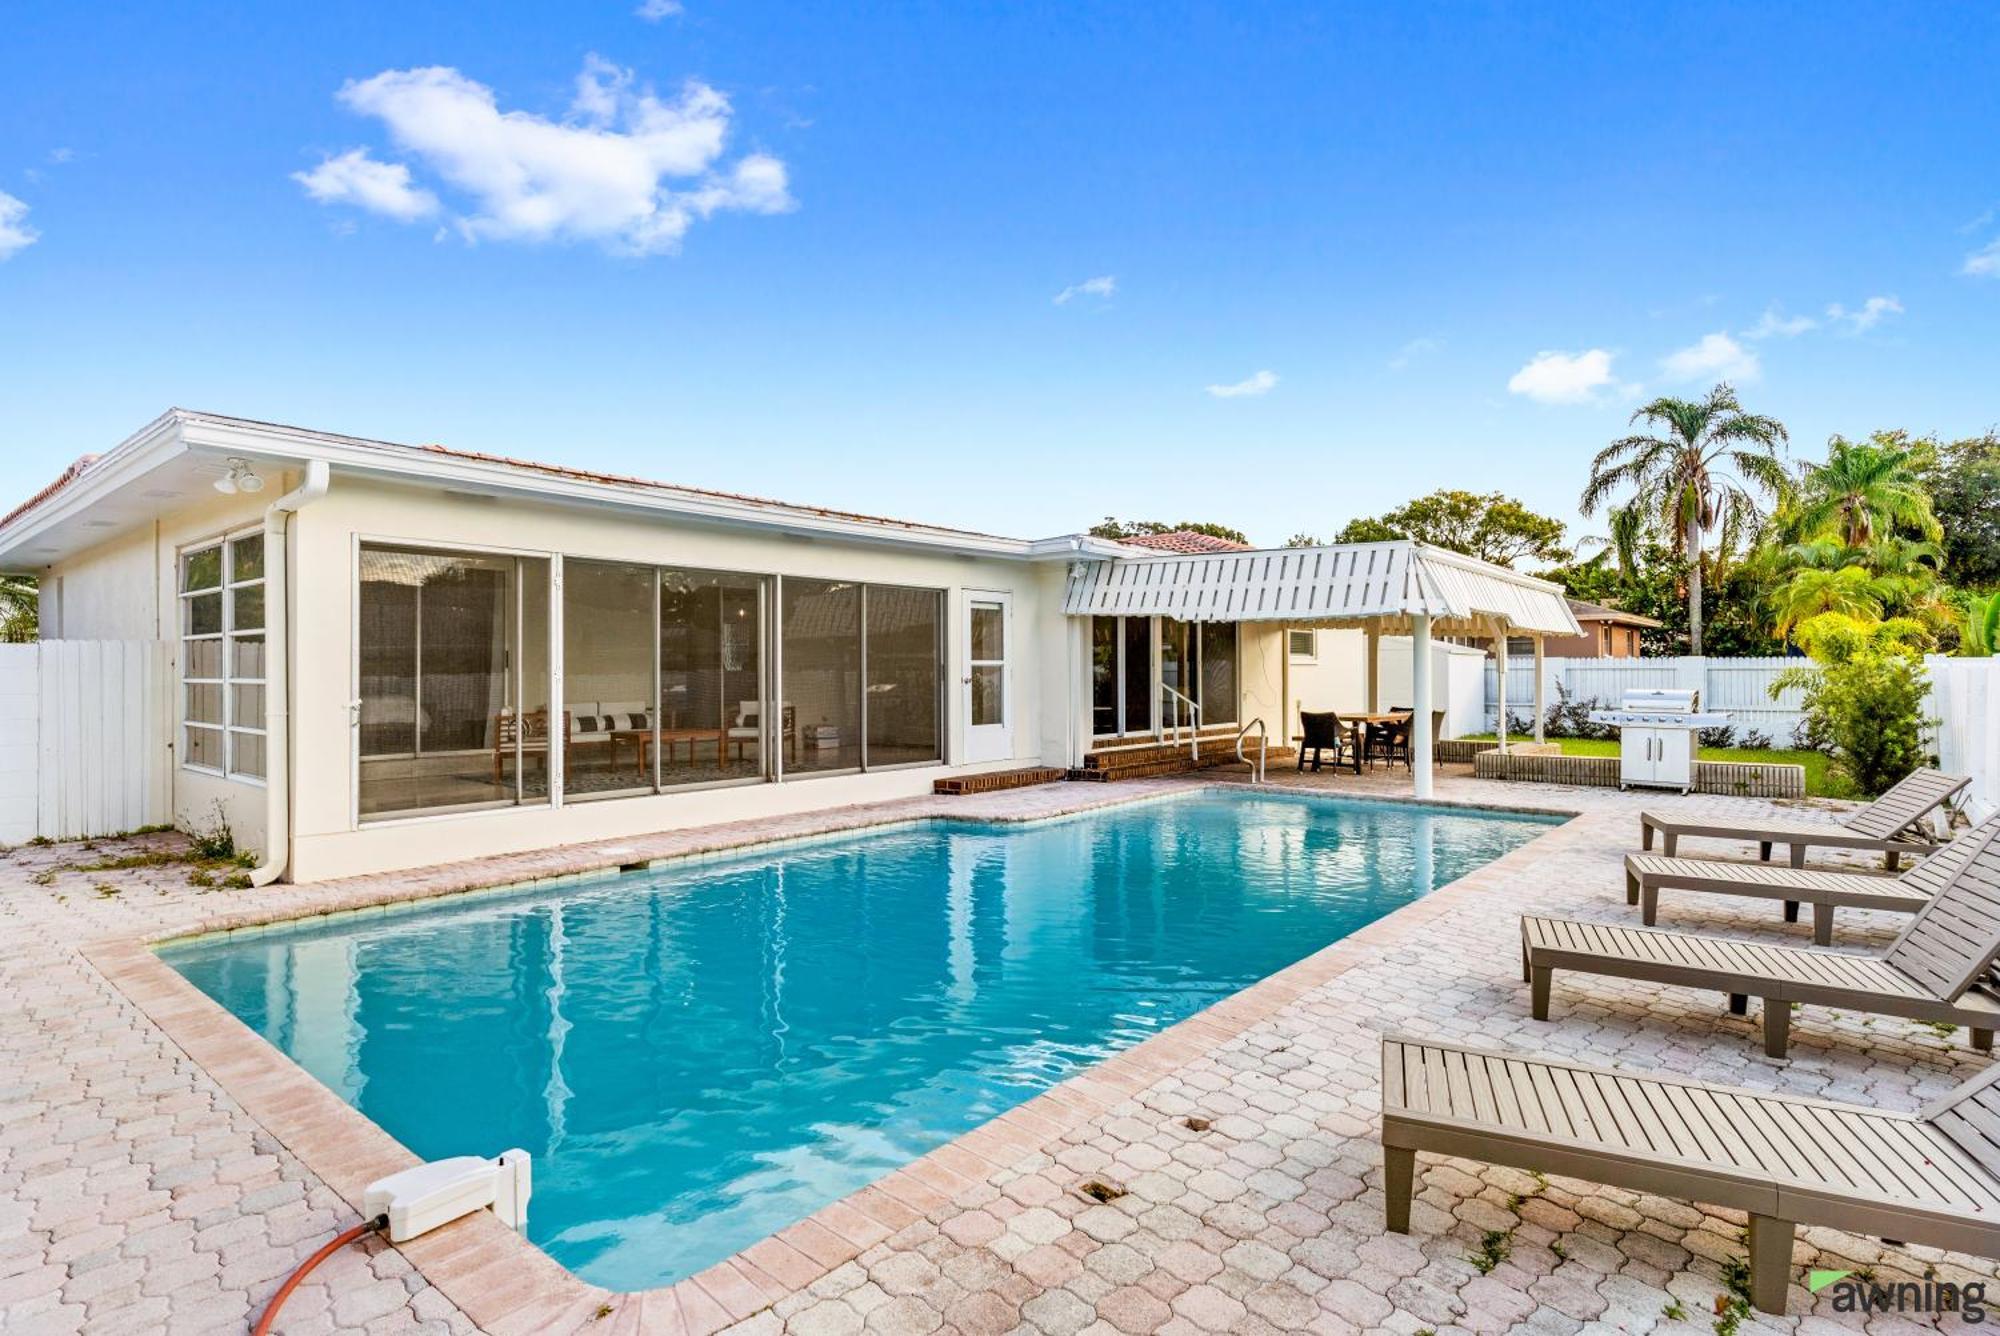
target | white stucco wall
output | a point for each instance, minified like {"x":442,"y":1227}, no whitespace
{"x":331,"y":841}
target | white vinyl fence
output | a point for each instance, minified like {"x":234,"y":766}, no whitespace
{"x":85,"y":727}
{"x":1965,"y":701}
{"x":1964,"y":705}
{"x":1739,"y":687}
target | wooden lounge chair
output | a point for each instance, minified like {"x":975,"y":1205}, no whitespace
{"x":1885,"y":825}
{"x":1786,"y":1160}
{"x":1932,"y":972}
{"x":1646,"y":875}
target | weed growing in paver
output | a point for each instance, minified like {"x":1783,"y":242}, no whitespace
{"x":603,"y":1311}
{"x":1493,"y":1250}
{"x":1675,"y":1311}
{"x":1561,"y":1253}
{"x":1941,"y":1029}
{"x":105,"y":890}
{"x":46,"y":877}
{"x":1733,"y":1307}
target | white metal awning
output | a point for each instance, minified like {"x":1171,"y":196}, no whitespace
{"x":1379,"y":585}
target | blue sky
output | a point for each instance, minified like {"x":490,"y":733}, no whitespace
{"x":816,"y":253}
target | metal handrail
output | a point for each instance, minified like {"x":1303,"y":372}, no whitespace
{"x":1174,"y":701}
{"x":1263,"y":747}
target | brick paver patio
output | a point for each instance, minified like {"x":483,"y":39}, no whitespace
{"x":161,"y":1169}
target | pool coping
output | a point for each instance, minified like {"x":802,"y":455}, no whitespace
{"x":507,"y":1284}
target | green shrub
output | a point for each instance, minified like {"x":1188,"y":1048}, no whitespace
{"x":1864,"y":701}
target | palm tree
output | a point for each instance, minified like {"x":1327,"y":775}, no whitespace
{"x":1866,"y":488}
{"x":1849,"y":590}
{"x":1701,"y":473}
{"x":17,"y":608}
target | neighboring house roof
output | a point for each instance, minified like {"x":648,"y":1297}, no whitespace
{"x":1598,"y":612}
{"x":1185,"y":540}
{"x":174,"y":458}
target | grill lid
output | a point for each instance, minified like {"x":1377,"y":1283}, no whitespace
{"x":1657,"y":707}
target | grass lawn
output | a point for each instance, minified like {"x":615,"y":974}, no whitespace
{"x":1820,"y":783}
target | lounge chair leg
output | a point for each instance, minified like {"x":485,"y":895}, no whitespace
{"x":1822,"y":925}
{"x":1539,"y":979}
{"x":1649,"y":903}
{"x":1527,"y":971}
{"x":1770,"y":1262}
{"x":1645,"y":836}
{"x":1798,"y":857}
{"x":1739,"y":1004}
{"x":1777,"y":1027}
{"x":1669,"y":842}
{"x":1399,"y":1178}
{"x":1892,"y":860}
{"x":1791,"y":911}
{"x":1763,"y":851}
{"x":1982,"y":1040}
{"x":1631,"y":888}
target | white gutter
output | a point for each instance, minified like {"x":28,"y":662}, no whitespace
{"x":277,"y":675}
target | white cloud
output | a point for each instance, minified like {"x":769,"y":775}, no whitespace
{"x":15,"y":234}
{"x":379,"y":187}
{"x":624,"y":168}
{"x":1775,"y":323}
{"x":1261,"y":383}
{"x":1413,"y":350}
{"x":61,"y":155}
{"x":1563,"y":378}
{"x":1104,"y":285}
{"x":1984,"y":262}
{"x":1715,"y":357}
{"x":1870,"y":315}
{"x":654,"y":10}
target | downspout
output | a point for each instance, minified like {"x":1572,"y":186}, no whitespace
{"x":277,"y":675}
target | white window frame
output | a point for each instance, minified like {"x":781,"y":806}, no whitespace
{"x":230,"y":728}
{"x":1291,"y":646}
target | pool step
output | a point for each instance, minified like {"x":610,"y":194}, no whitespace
{"x":1151,"y":760}
{"x":993,"y":781}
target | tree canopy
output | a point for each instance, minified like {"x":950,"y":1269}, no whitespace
{"x":1491,"y":526}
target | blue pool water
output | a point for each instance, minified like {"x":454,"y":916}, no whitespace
{"x":701,"y":1054}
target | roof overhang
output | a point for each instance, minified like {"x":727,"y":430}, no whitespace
{"x":169,"y":463}
{"x":1383,"y":586}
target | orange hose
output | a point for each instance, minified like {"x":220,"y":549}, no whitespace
{"x":305,"y":1268}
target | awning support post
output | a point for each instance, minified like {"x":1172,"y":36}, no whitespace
{"x":1420,"y":702}
{"x":1500,"y":671}
{"x":1541,"y":685}
{"x":1371,"y":672}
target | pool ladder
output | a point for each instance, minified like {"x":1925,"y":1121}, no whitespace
{"x":1263,"y":748}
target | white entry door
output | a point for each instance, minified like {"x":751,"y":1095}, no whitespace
{"x":989,"y":677}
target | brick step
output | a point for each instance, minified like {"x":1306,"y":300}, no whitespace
{"x":1150,"y":762}
{"x":994,"y":781}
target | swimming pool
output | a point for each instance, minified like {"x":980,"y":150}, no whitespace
{"x":700,"y":1054}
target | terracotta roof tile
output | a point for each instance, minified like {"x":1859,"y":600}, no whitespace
{"x":69,"y":475}
{"x":1186,"y":541}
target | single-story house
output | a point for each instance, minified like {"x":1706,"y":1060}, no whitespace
{"x":387,"y":655}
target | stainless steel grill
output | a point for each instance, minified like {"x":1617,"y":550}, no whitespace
{"x":1656,"y":735}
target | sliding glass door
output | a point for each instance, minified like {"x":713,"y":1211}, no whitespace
{"x":1198,"y":660}
{"x":453,"y":702}
{"x":863,"y":672}
{"x":713,"y":724}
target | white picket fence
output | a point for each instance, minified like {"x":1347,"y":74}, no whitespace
{"x":1740,"y":687}
{"x":1964,"y":705}
{"x":85,"y":728}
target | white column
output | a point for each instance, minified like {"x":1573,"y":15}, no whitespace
{"x":1372,"y":671}
{"x":1541,"y":684}
{"x":1420,"y":702}
{"x":1500,"y":666}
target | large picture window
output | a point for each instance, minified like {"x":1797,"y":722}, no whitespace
{"x":454,"y":689}
{"x":222,"y":657}
{"x":862,"y":668}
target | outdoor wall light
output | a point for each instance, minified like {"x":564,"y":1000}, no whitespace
{"x":240,"y":478}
